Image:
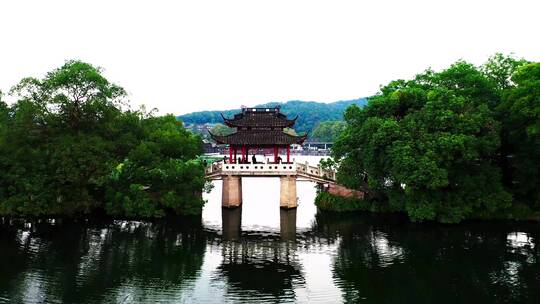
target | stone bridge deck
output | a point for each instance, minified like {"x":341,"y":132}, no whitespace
{"x":304,"y":171}
{"x":289,"y":173}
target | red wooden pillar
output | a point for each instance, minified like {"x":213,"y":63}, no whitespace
{"x":235,"y":155}
{"x":243,"y":154}
{"x":230,"y":154}
{"x":288,"y":154}
{"x":275,"y":154}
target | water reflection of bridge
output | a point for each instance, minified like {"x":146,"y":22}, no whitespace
{"x":231,"y":221}
{"x":263,"y":266}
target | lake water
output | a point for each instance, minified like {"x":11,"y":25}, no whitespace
{"x":261,"y":254}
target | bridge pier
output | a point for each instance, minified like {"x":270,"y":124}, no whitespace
{"x":231,"y":223}
{"x":231,"y":192}
{"x":287,"y":224}
{"x":287,"y":196}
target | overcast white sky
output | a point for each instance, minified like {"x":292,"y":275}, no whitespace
{"x":183,"y":56}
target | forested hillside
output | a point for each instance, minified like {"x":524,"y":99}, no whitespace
{"x":310,"y":113}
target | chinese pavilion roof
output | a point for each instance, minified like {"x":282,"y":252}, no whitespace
{"x":259,"y":127}
{"x":260,"y":118}
{"x":259,"y":138}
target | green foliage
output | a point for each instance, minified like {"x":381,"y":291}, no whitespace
{"x":221,"y":130}
{"x":159,"y":174}
{"x":521,"y":103}
{"x":66,"y":133}
{"x":328,"y":164}
{"x":430,"y":145}
{"x":328,"y":130}
{"x":520,"y":115}
{"x":310,"y":113}
{"x":500,"y":68}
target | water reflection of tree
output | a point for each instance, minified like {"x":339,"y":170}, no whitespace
{"x":11,"y":261}
{"x":82,"y":262}
{"x":231,"y":223}
{"x":389,"y":260}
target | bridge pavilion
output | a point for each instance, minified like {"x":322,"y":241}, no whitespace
{"x":262,"y":128}
{"x":258,"y":128}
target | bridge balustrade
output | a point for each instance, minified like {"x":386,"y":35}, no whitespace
{"x":270,"y":169}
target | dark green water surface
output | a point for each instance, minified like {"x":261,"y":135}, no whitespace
{"x":258,"y":255}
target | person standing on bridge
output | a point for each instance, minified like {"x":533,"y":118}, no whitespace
{"x":254,"y":159}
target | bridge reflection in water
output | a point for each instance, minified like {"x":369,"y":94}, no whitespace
{"x":231,"y":223}
{"x":259,"y":265}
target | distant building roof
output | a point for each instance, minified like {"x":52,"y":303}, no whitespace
{"x":260,"y":118}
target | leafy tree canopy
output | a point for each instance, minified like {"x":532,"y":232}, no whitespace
{"x":519,"y":112}
{"x":221,"y":130}
{"x":328,"y":130}
{"x":67,"y":148}
{"x":432,"y":145}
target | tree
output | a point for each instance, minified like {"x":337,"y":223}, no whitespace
{"x":61,"y":140}
{"x":77,"y":93}
{"x":520,"y":115}
{"x":4,"y":116}
{"x":221,"y":130}
{"x":429,"y":145}
{"x":522,"y":102}
{"x":159,"y":174}
{"x":328,"y":130}
{"x":65,"y":136}
{"x":500,"y":68}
